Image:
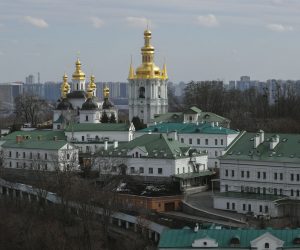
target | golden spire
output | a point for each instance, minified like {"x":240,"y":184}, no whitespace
{"x":106,"y":92}
{"x":65,"y":87}
{"x":148,"y":69}
{"x":164,"y":73}
{"x":131,"y":71}
{"x":78,"y":74}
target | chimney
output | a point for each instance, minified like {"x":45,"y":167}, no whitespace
{"x":274,"y":141}
{"x":256,"y":140}
{"x":212,"y":124}
{"x":19,"y":139}
{"x":116,"y":144}
{"x":261,"y":136}
{"x":105,"y":145}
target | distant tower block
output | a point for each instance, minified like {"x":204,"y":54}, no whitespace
{"x":147,"y":88}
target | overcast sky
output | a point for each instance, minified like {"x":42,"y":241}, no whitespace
{"x":199,"y":39}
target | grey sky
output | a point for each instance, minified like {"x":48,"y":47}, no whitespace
{"x":200,"y":39}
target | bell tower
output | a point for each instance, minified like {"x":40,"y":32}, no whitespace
{"x":147,"y":89}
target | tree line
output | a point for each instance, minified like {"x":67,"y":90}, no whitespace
{"x":248,"y":110}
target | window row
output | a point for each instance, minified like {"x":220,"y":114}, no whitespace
{"x":262,"y":209}
{"x":29,"y":155}
{"x":261,"y":175}
{"x":30,"y":166}
{"x":141,"y":170}
{"x":206,"y":141}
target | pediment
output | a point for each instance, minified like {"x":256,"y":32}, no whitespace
{"x":205,"y":242}
{"x":266,"y":238}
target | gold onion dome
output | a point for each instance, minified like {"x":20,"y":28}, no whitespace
{"x":147,"y":69}
{"x":106,"y":92}
{"x":92,"y":84}
{"x":65,"y":87}
{"x":78,"y":74}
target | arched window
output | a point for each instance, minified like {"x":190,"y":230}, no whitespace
{"x":267,"y":245}
{"x":235,"y":241}
{"x":136,"y":154}
{"x":141,"y":92}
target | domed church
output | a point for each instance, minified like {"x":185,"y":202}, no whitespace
{"x":79,"y":104}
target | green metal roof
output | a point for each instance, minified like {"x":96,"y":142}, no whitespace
{"x":33,"y":144}
{"x":97,"y":127}
{"x":194,"y":175}
{"x":251,"y":196}
{"x":188,"y":128}
{"x":157,"y":146}
{"x":179,"y":116}
{"x":287,"y":150}
{"x":184,"y":238}
{"x":44,"y":135}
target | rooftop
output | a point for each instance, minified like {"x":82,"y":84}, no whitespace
{"x":154,"y":145}
{"x":34,"y":135}
{"x":184,"y":238}
{"x":188,"y":128}
{"x":34,"y":144}
{"x":77,"y":127}
{"x":287,"y":149}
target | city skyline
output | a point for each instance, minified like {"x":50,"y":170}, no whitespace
{"x":200,"y":40}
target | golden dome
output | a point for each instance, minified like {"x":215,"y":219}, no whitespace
{"x":78,"y":74}
{"x":106,"y":92}
{"x":65,"y":87}
{"x":92,"y":84}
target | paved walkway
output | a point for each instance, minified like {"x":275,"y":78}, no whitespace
{"x":204,"y":201}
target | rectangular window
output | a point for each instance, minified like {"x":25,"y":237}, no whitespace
{"x":233,"y":206}
{"x":228,"y":205}
{"x":275,"y":176}
{"x":131,"y":170}
{"x":258,"y":175}
{"x":232,"y":173}
{"x":46,"y":166}
{"x":244,"y":207}
{"x":82,"y":138}
{"x":264,"y":175}
{"x":30,"y":155}
{"x":249,"y":207}
{"x":248,"y":174}
{"x":216,"y":153}
{"x":281,"y":191}
{"x":260,"y":208}
{"x":68,"y":156}
{"x":198,"y":141}
{"x":190,"y":141}
{"x":292,"y":177}
{"x":275,"y":191}
{"x":24,"y":155}
{"x":226,"y":188}
{"x":206,"y":141}
{"x":46,"y":156}
{"x":182,"y":140}
{"x":292,"y":192}
{"x":216,"y":143}
{"x":242,"y":174}
{"x":38,"y":155}
{"x":150,"y":170}
{"x":298,"y":193}
{"x":226,"y":172}
{"x":222,"y":141}
{"x":159,"y":170}
{"x":298,"y":177}
{"x":17,"y":154}
{"x":141,"y":170}
{"x":281,"y":176}
{"x":266,"y":209}
{"x":10,"y":164}
{"x":86,"y":118}
{"x":9,"y":153}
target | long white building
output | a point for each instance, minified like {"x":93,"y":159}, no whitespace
{"x":259,"y":173}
